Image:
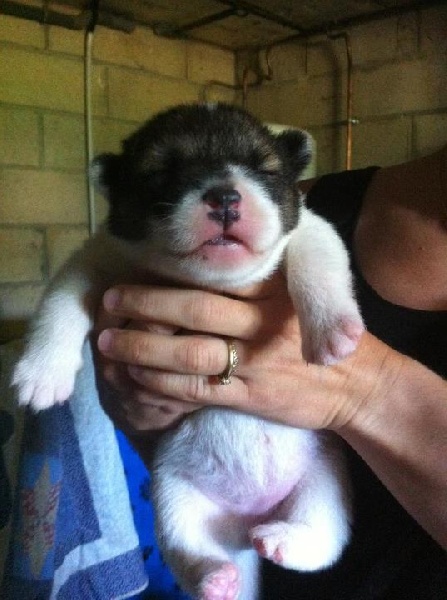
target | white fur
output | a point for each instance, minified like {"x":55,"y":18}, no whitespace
{"x":322,"y":291}
{"x":223,"y":482}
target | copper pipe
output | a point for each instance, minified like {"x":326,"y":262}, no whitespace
{"x":349,"y":93}
{"x":349,"y":96}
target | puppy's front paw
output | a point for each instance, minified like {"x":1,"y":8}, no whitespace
{"x":334,"y":340}
{"x":45,"y":379}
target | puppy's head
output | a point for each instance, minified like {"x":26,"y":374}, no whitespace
{"x":204,"y":194}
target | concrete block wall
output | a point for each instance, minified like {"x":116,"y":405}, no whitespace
{"x":43,"y":205}
{"x":399,"y":89}
{"x":400,"y":98}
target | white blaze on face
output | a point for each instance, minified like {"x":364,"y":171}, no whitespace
{"x":258,"y":228}
{"x":192,"y":247}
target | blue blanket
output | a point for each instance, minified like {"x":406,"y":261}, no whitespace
{"x":73,"y":533}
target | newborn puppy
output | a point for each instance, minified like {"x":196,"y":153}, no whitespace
{"x":206,"y":195}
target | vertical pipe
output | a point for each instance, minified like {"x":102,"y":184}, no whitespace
{"x":88,"y":128}
{"x":349,"y":95}
{"x":88,"y":123}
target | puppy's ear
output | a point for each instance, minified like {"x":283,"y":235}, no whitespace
{"x":295,"y":147}
{"x":104,"y":171}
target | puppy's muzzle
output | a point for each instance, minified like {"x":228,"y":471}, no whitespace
{"x":224,"y":202}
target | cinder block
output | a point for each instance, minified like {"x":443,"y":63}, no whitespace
{"x":408,"y":34}
{"x":218,"y":93}
{"x":288,"y":62}
{"x":385,"y":40}
{"x":325,"y":56}
{"x":64,"y":141}
{"x":61,"y":243}
{"x":434,"y":32}
{"x":66,"y":41}
{"x":19,"y":137}
{"x":108,"y":134}
{"x":263,"y":103}
{"x":137,"y":96}
{"x":44,"y":197}
{"x":330,"y":144}
{"x":19,"y":301}
{"x":141,"y":49}
{"x":430,"y":133}
{"x":208,"y":63}
{"x":376,"y":42}
{"x":19,"y":31}
{"x":381,"y":143}
{"x":309,"y":102}
{"x":21,"y":255}
{"x":312,"y":101}
{"x":400,"y":87}
{"x":46,"y":80}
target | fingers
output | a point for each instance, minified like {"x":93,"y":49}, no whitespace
{"x":134,"y":408}
{"x":194,"y":310}
{"x":195,"y":390}
{"x":189,"y":354}
{"x":159,"y":376}
{"x":141,"y":411}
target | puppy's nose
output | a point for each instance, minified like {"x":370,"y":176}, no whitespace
{"x":221,"y":197}
{"x":224,"y":203}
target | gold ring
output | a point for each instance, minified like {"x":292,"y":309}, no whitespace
{"x":233,"y":360}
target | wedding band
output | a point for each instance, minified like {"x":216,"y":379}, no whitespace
{"x":233,"y":360}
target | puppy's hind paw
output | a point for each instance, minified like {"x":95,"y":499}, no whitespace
{"x":222,"y":583}
{"x":294,"y":546}
{"x":41,"y":384}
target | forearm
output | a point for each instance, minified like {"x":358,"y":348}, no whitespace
{"x":400,"y":430}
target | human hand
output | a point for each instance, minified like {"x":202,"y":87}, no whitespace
{"x":143,"y":415}
{"x":272,"y":380}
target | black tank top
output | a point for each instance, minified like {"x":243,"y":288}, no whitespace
{"x":390,"y":556}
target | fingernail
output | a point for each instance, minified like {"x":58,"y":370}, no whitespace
{"x":111,"y":299}
{"x":105,"y":340}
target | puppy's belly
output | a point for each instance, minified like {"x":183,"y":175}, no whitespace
{"x":243,"y":496}
{"x":244,"y":464}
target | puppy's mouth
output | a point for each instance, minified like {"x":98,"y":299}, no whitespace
{"x":223,"y":240}
{"x":222,"y":251}
{"x":217,"y":245}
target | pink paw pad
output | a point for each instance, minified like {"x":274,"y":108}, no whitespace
{"x":221,"y":584}
{"x":342,"y":341}
{"x":336,"y":343}
{"x":261,"y":548}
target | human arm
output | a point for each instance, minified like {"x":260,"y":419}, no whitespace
{"x":389,"y":408}
{"x":401,"y":433}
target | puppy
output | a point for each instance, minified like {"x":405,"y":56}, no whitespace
{"x":205,"y":195}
